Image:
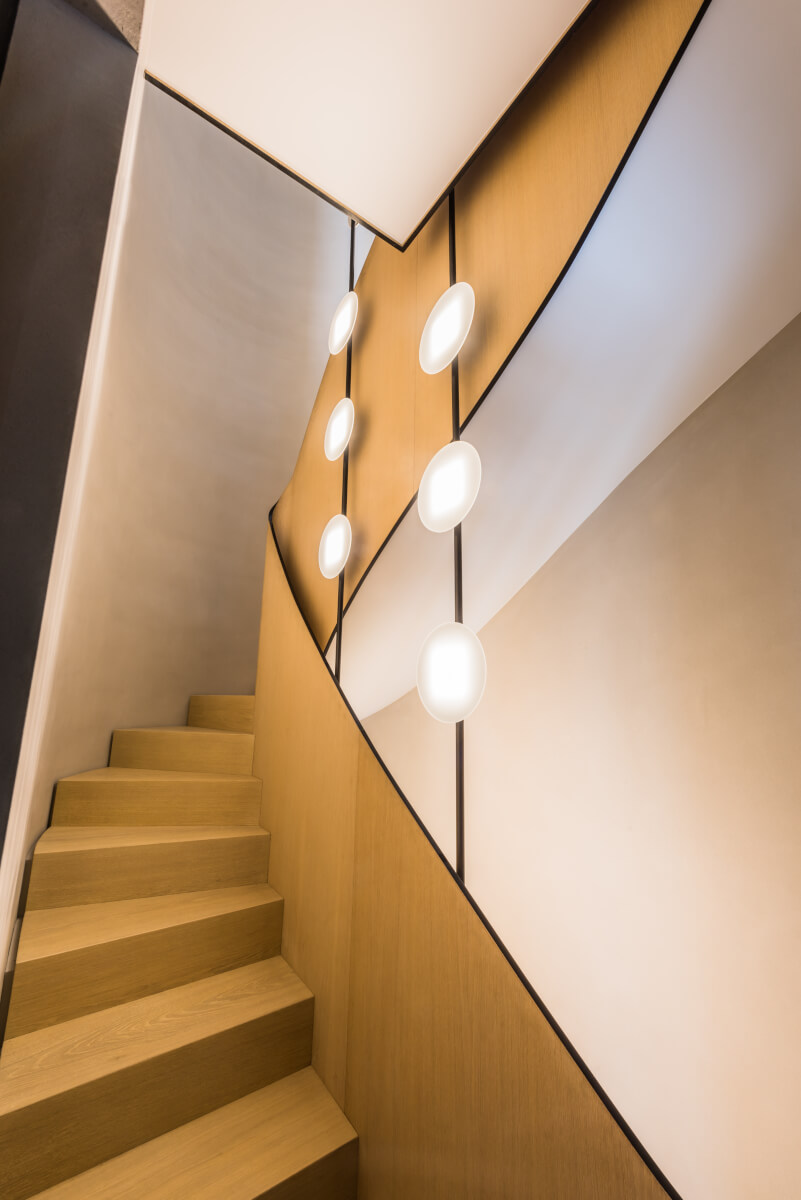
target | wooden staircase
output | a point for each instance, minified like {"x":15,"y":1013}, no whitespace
{"x":157,"y":1045}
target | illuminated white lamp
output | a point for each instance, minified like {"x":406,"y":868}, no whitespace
{"x":339,"y":429}
{"x":449,"y":486}
{"x":334,"y":546}
{"x":451,"y":672}
{"x":342,"y":323}
{"x":447,"y":327}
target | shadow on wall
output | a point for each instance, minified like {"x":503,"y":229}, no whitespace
{"x":63,"y":100}
{"x":227,"y":277}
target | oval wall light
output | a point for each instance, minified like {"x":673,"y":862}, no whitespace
{"x":449,"y":486}
{"x":334,"y":546}
{"x":451,"y":672}
{"x":339,"y":429}
{"x":342,"y":323}
{"x":447,"y":327}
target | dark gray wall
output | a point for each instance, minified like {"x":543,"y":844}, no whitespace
{"x":8,"y":12}
{"x":63,"y":100}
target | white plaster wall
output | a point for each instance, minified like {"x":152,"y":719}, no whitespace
{"x":693,"y":265}
{"x":633,"y":788}
{"x":208,"y":344}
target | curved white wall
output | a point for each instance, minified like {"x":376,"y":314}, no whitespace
{"x":690,"y":269}
{"x":633,"y":827}
{"x":632,"y":773}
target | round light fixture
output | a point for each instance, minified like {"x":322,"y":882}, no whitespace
{"x":451,"y":672}
{"x":334,"y":546}
{"x":449,"y":486}
{"x":342,"y":323}
{"x":447,"y":327}
{"x":339,"y":429}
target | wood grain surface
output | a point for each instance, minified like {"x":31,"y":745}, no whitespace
{"x":83,"y":865}
{"x":182,"y":748}
{"x":233,"y":713}
{"x":453,"y":1078}
{"x":131,"y":796}
{"x":97,"y":1086}
{"x":522,"y":208}
{"x":73,"y":961}
{"x":288,"y":1141}
{"x":308,"y":806}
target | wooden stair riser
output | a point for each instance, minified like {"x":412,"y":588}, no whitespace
{"x":333,"y":1177}
{"x":60,"y":987}
{"x":183,"y":750}
{"x":68,"y":1133}
{"x":234,"y":713}
{"x":119,"y":873}
{"x":235,"y":801}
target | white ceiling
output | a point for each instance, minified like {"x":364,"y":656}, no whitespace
{"x":694,"y":263}
{"x":378,"y":105}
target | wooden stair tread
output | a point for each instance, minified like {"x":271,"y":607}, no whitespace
{"x":238,"y":1152}
{"x":137,"y":775}
{"x":189,"y":730}
{"x":64,"y":839}
{"x":60,"y":1058}
{"x":235,"y":713}
{"x":80,"y":959}
{"x":57,"y":931}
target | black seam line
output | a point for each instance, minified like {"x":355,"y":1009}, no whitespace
{"x":505,"y":115}
{"x":597,"y":212}
{"x":553,"y":289}
{"x":400,"y":246}
{"x":619,"y":1120}
{"x":369,"y":568}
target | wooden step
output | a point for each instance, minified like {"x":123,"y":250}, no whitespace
{"x":127,"y":796}
{"x":222,"y":712}
{"x":77,"y":1094}
{"x":183,"y":749}
{"x":289,"y":1141}
{"x":81,"y":864}
{"x":73,"y":961}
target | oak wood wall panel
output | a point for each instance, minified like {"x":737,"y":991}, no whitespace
{"x":456,"y":1083}
{"x":312,"y":497}
{"x":306,"y":753}
{"x":521,"y":209}
{"x":523,"y":206}
{"x":403,"y":415}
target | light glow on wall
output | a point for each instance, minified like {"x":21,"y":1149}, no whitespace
{"x":447,"y":327}
{"x":339,"y":429}
{"x":342,"y":323}
{"x":451,"y":672}
{"x":335,"y":546}
{"x":449,"y":486}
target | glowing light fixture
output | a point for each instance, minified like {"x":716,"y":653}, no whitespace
{"x":334,"y":546}
{"x":342,"y":323}
{"x":447,"y":327}
{"x":449,"y":486}
{"x":339,"y":429}
{"x":451,"y":672}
